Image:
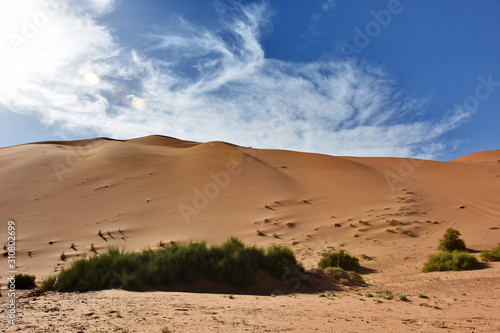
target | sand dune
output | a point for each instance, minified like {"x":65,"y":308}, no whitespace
{"x":141,"y":191}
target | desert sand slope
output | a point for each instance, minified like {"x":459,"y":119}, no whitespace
{"x":159,"y":188}
{"x":142,"y":191}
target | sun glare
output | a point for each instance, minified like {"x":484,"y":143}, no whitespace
{"x":24,"y":27}
{"x":91,"y":78}
{"x":138,"y":103}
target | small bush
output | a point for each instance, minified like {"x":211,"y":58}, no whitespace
{"x":342,"y":276}
{"x":336,"y":272}
{"x":451,"y":241}
{"x":355,"y":277}
{"x":491,"y":255}
{"x":339,"y":259}
{"x":450,"y":261}
{"x":25,"y":281}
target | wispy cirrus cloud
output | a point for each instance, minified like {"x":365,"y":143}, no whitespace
{"x":200,"y":84}
{"x":328,"y":4}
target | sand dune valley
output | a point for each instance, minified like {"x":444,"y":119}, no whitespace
{"x":153,"y":189}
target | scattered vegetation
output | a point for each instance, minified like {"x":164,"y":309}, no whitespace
{"x":72,"y":246}
{"x":427,"y":305}
{"x":259,"y":233}
{"x":62,"y":256}
{"x":385,"y":294}
{"x":327,"y":294}
{"x":230,"y":262}
{"x":451,"y":241}
{"x":395,"y":223}
{"x":99,"y":233}
{"x":25,"y":281}
{"x":450,"y":261}
{"x":340,"y":259}
{"x":406,"y":232}
{"x":491,"y":255}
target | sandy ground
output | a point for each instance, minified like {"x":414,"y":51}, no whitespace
{"x":142,"y":191}
{"x":457,"y":302}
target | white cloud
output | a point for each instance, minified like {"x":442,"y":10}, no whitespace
{"x":205,"y":85}
{"x":98,"y":7}
{"x":328,"y":5}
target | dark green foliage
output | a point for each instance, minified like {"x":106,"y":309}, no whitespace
{"x":451,"y":241}
{"x":25,"y":281}
{"x":280,"y":260}
{"x":491,"y":255}
{"x":450,"y":261}
{"x":230,"y":262}
{"x":340,"y":259}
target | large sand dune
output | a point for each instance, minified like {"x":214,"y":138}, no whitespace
{"x":157,"y":188}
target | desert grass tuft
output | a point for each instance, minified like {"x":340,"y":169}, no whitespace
{"x":340,"y":259}
{"x":450,"y":261}
{"x":230,"y":262}
{"x":491,"y":255}
{"x":25,"y":281}
{"x":99,"y":233}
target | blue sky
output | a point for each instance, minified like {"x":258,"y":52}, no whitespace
{"x":363,"y":78}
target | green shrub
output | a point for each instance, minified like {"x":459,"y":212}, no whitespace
{"x":49,"y":283}
{"x":25,"y":281}
{"x":450,"y":261}
{"x":339,"y":259}
{"x":280,"y":260}
{"x":230,"y":262}
{"x":491,"y":255}
{"x":451,"y":241}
